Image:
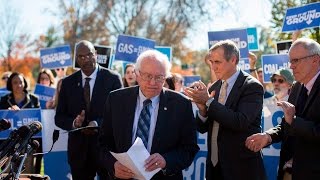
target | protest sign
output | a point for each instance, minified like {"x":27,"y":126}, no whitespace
{"x":271,"y":63}
{"x":56,"y":57}
{"x":44,"y":93}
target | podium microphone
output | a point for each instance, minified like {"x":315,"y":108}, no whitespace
{"x":4,"y":124}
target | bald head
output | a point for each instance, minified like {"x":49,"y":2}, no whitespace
{"x":86,"y":57}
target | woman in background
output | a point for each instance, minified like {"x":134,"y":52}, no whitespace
{"x":17,"y":99}
{"x":129,"y":78}
{"x":46,"y":78}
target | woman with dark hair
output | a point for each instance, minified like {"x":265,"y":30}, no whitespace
{"x":129,"y":78}
{"x":19,"y":98}
{"x":46,"y":78}
{"x":169,"y":83}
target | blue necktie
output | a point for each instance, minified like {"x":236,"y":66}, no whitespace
{"x":144,"y":122}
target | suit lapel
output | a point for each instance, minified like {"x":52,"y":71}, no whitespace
{"x":235,"y":89}
{"x":313,"y":92}
{"x":130,"y":109}
{"x":161,"y":121}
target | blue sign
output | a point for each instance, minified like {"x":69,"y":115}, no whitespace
{"x":44,"y":93}
{"x":244,"y":64}
{"x":56,"y":57}
{"x":253,"y":41}
{"x":188,"y":80}
{"x":240,"y":37}
{"x":271,"y":63}
{"x":19,"y":118}
{"x":297,"y":18}
{"x":130,"y":47}
{"x":167,"y":50}
{"x":3,"y":91}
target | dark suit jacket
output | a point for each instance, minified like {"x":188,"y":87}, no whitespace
{"x":71,"y":103}
{"x":31,"y":101}
{"x":174,"y":137}
{"x":239,"y":118}
{"x":306,"y":132}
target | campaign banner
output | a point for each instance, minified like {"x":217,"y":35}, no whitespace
{"x":302,"y":17}
{"x":58,"y":155}
{"x":198,"y":167}
{"x":3,"y":91}
{"x":130,"y":47}
{"x":272,"y":116}
{"x":253,"y":40}
{"x":44,"y":93}
{"x":244,"y":65}
{"x":19,"y":118}
{"x":188,"y":80}
{"x":167,"y":50}
{"x":103,"y":56}
{"x":283,"y":47}
{"x":271,"y":63}
{"x":240,"y":37}
{"x":52,"y":58}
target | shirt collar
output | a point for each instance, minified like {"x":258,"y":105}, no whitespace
{"x":155,"y":100}
{"x":231,"y":80}
{"x":309,"y":85}
{"x":92,"y":75}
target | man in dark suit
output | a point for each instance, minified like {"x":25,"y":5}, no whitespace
{"x":301,"y":123}
{"x":170,"y":134}
{"x":229,"y":111}
{"x":81,"y":101}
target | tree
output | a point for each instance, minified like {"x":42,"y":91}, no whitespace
{"x":279,"y":8}
{"x":9,"y":23}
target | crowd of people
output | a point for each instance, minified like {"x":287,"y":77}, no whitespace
{"x":151,"y":103}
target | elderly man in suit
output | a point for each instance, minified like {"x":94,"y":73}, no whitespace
{"x":81,"y":101}
{"x":230,"y":111}
{"x":162,"y":118}
{"x":301,"y":113}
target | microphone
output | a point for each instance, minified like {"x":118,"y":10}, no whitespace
{"x":4,"y":124}
{"x":19,"y":138}
{"x":33,"y":128}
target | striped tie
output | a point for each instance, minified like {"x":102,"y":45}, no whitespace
{"x":144,"y":122}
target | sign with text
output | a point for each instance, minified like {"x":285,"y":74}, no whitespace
{"x":244,"y":65}
{"x":19,"y":118}
{"x":272,"y":116}
{"x":44,"y":93}
{"x":103,"y":56}
{"x":130,"y":47}
{"x":240,"y":37}
{"x":271,"y":63}
{"x":253,"y":41}
{"x":303,"y":17}
{"x":188,"y":80}
{"x":52,"y":58}
{"x":283,"y":47}
{"x":167,"y":50}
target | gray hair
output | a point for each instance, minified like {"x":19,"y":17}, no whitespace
{"x":310,"y":45}
{"x":229,"y":47}
{"x":157,"y":55}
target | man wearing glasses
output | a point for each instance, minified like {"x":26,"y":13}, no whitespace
{"x":301,"y":113}
{"x":81,"y":101}
{"x":162,"y":118}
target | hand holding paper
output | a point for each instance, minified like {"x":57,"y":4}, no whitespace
{"x":134,"y":159}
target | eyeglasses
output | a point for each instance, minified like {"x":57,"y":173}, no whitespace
{"x":149,"y":77}
{"x":86,"y":56}
{"x":273,"y":80}
{"x":298,"y":60}
{"x":5,"y":78}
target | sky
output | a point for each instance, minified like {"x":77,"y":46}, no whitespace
{"x":36,"y":17}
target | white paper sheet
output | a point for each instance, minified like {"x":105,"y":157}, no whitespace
{"x":134,"y":159}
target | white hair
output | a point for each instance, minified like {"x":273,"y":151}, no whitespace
{"x":310,"y":45}
{"x":157,"y":55}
